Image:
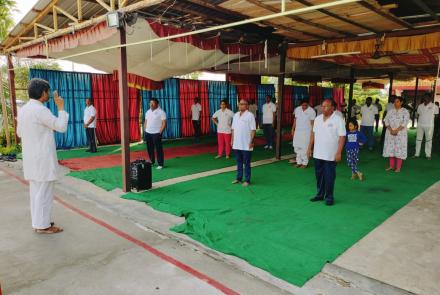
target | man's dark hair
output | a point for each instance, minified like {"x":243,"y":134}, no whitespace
{"x":90,"y":100}
{"x":155,"y":100}
{"x":36,"y":88}
{"x":225,"y":101}
{"x":304,"y":101}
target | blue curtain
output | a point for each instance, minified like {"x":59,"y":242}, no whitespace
{"x":74,"y":88}
{"x":300,"y":93}
{"x":169,"y":101}
{"x":217,"y":91}
{"x":262,"y":91}
{"x":327,"y":92}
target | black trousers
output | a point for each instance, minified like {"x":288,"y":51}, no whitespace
{"x":154,"y":142}
{"x":325,"y":172}
{"x":91,"y":139}
{"x":197,"y":128}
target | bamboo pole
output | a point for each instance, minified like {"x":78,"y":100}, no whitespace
{"x":5,"y":112}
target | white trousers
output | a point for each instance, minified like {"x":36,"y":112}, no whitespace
{"x":41,"y":194}
{"x":301,"y":156}
{"x":426,"y":132}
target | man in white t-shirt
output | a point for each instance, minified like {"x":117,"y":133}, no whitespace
{"x":90,"y":125}
{"x":269,"y":115}
{"x":426,"y":113}
{"x":327,"y":141}
{"x":243,"y":134}
{"x":368,"y":113}
{"x":223,"y":120}
{"x":301,"y":130}
{"x":154,"y":125}
{"x":196,"y":117}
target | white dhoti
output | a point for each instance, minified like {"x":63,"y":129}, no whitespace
{"x":427,"y":132}
{"x":41,"y":194}
{"x":301,"y":141}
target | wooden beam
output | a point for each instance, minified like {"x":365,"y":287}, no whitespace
{"x":302,"y":20}
{"x":124,"y":116}
{"x":133,"y":7}
{"x":112,"y":4}
{"x":44,"y":27}
{"x":31,"y":26}
{"x":281,"y":76}
{"x":35,"y":31}
{"x":55,"y":18}
{"x":385,"y":14}
{"x":426,"y":9}
{"x":79,"y":9}
{"x":12,"y":95}
{"x":5,"y":112}
{"x":103,"y":4}
{"x":122,"y":3}
{"x":338,"y":17}
{"x":67,"y":14}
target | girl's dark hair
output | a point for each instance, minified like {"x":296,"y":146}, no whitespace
{"x":37,"y":87}
{"x":354,"y":122}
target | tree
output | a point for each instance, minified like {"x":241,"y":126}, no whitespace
{"x":6,"y":20}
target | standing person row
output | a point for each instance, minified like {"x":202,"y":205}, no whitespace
{"x":196,"y":117}
{"x":90,"y":125}
{"x":35,"y":126}
{"x":223,"y":120}
{"x":303,"y":118}
{"x":243,"y":135}
{"x":269,"y":117}
{"x":154,"y":125}
{"x":368,"y":113}
{"x":426,"y":113}
{"x":327,"y":141}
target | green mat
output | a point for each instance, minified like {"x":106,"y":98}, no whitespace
{"x":273,"y":225}
{"x":116,"y":149}
{"x":111,"y":178}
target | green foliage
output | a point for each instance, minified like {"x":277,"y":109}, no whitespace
{"x":13,"y":149}
{"x":3,"y":136}
{"x":360,"y":95}
{"x":6,"y":20}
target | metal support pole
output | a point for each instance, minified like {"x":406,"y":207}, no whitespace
{"x":124,"y":115}
{"x":281,"y":76}
{"x":390,"y":92}
{"x":350,"y":93}
{"x":12,"y":95}
{"x":415,"y":102}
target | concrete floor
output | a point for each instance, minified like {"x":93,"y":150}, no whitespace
{"x":399,"y":257}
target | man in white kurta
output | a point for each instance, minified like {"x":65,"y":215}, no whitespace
{"x":426,"y":113}
{"x":36,"y":125}
{"x":243,"y":134}
{"x":301,"y":130}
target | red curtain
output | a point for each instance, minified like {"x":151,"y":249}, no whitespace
{"x":288,"y":106}
{"x":190,"y":89}
{"x":315,"y":95}
{"x":105,"y":94}
{"x":247,"y":92}
{"x":338,"y":96}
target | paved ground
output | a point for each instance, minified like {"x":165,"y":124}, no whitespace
{"x":115,"y":246}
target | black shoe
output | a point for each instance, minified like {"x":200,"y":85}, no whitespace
{"x":88,"y":151}
{"x":316,"y":199}
{"x":329,"y":202}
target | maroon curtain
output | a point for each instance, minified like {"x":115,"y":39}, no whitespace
{"x":247,"y":92}
{"x":190,"y":89}
{"x":288,"y":106}
{"x":315,"y":95}
{"x":338,"y":96}
{"x":105,"y":94}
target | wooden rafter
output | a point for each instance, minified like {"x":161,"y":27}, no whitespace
{"x":66,"y":14}
{"x":300,"y":19}
{"x":79,"y":8}
{"x":386,"y":14}
{"x":426,"y":9}
{"x":338,"y":17}
{"x":122,"y":3}
{"x":44,"y":27}
{"x":103,"y":4}
{"x":55,"y":18}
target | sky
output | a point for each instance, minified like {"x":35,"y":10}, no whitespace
{"x":23,"y":6}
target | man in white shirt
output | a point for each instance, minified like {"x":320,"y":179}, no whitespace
{"x":36,"y":126}
{"x":90,"y":125}
{"x":426,"y":113}
{"x":269,"y":116}
{"x":223,"y":120}
{"x":243,"y":134}
{"x":368,"y":113}
{"x":155,"y":124}
{"x":196,"y":116}
{"x":303,"y":117}
{"x":327,"y":141}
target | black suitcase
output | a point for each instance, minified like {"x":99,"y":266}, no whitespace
{"x":140,"y":175}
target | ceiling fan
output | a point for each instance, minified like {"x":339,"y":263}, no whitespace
{"x":377,"y":54}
